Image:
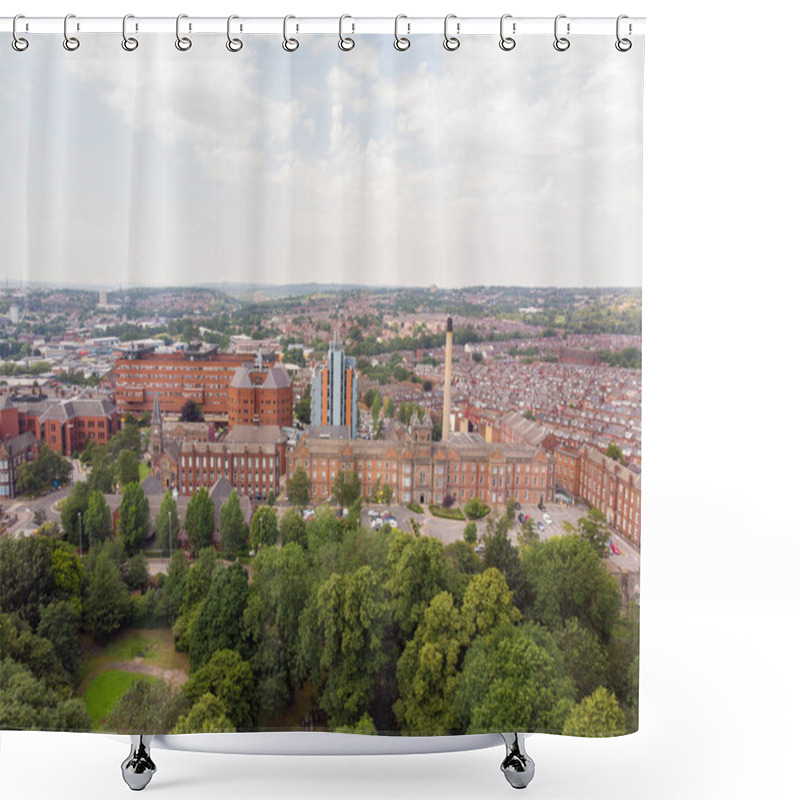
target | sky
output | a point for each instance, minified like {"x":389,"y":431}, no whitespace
{"x":371,"y":166}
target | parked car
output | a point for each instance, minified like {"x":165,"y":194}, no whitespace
{"x":518,"y":506}
{"x":542,"y":507}
{"x":521,"y":517}
{"x":540,"y":526}
{"x":373,"y":513}
{"x":480,"y":548}
{"x":547,"y":518}
{"x":308,"y":513}
{"x":614,"y":549}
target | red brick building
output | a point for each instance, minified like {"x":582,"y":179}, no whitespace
{"x":251,"y":459}
{"x":14,"y":453}
{"x":64,"y":425}
{"x":241,"y":388}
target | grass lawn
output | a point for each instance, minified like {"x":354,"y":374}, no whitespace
{"x":153,"y":645}
{"x":106,"y":689}
{"x":144,"y":471}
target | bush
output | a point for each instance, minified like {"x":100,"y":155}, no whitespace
{"x":416,"y":508}
{"x":446,"y":513}
{"x":475,"y":508}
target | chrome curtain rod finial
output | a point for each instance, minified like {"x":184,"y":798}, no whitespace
{"x":18,"y":42}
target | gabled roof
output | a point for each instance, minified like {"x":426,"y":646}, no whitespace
{"x":151,"y":485}
{"x":277,"y":378}
{"x":241,"y":379}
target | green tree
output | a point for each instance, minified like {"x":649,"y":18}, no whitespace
{"x":68,"y":574}
{"x":44,"y":473}
{"x":60,"y":624}
{"x":346,"y":487}
{"x":200,"y":518}
{"x":298,"y":488}
{"x":73,"y":505}
{"x":387,"y":494}
{"x":127,"y":468}
{"x":471,"y":533}
{"x":417,"y":572}
{"x":279,"y":592}
{"x":207,"y":715}
{"x":599,"y":714}
{"x":427,"y":671}
{"x":173,"y":588}
{"x":137,"y":572}
{"x":97,"y":519}
{"x":228,"y":677}
{"x":614,"y":451}
{"x":293,"y":528}
{"x":129,"y":437}
{"x":584,"y":657}
{"x":509,"y":682}
{"x":343,"y":642}
{"x":146,"y":706}
{"x":106,"y":605}
{"x":364,"y":727}
{"x":168,"y":522}
{"x":26,"y":576}
{"x":323,"y":529}
{"x":302,"y":408}
{"x":487,"y":605}
{"x":377,"y":405}
{"x":474,"y":508}
{"x":593,"y":529}
{"x":191,"y":412}
{"x":27,"y":703}
{"x":264,"y":528}
{"x":219,"y":621}
{"x":232,"y":527}
{"x":134,"y":522}
{"x":567,"y":579}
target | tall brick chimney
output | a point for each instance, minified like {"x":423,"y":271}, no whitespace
{"x":448,"y":379}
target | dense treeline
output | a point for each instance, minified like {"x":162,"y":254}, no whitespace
{"x":335,"y":626}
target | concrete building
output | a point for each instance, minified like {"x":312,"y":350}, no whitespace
{"x":334,"y":390}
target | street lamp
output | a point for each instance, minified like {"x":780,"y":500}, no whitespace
{"x":80,"y":534}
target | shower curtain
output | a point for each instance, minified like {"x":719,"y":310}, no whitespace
{"x":321,"y":381}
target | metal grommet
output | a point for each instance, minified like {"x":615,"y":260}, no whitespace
{"x":506,"y":42}
{"x":451,"y":42}
{"x":289,"y":44}
{"x":400,"y":42}
{"x":71,"y":43}
{"x":128,"y":42}
{"x":183,"y":43}
{"x":18,"y":43}
{"x":345,"y":42}
{"x":623,"y":45}
{"x":561,"y":43}
{"x":233,"y":44}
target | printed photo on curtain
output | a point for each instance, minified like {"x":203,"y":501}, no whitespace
{"x":320,"y":400}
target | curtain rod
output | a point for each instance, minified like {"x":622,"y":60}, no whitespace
{"x":463,"y":26}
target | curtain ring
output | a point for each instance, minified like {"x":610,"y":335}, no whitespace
{"x":233,"y":44}
{"x":400,"y":42}
{"x":623,"y":45}
{"x":289,"y":45}
{"x":561,"y":43}
{"x":128,"y":42}
{"x":183,"y":43}
{"x":451,"y":42}
{"x":70,"y":42}
{"x":345,"y":42}
{"x":506,"y":42}
{"x":18,"y":43}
